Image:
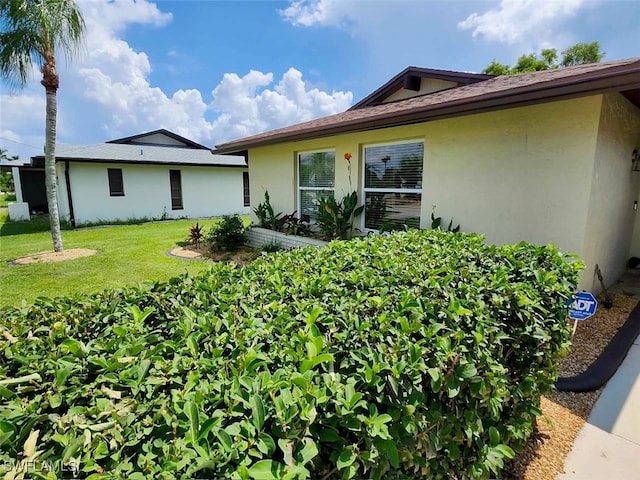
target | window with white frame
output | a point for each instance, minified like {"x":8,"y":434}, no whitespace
{"x":392,"y":185}
{"x":316,"y":179}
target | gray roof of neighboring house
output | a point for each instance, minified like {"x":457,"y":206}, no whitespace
{"x":143,"y":154}
{"x":141,"y":136}
{"x":482,"y":96}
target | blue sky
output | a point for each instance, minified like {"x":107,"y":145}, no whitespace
{"x":218,"y":70}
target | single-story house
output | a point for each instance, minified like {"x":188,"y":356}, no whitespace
{"x":546,"y":157}
{"x":157,"y":174}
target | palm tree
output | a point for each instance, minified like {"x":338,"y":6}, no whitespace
{"x":33,"y":31}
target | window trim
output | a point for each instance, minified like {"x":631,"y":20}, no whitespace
{"x":365,"y":190}
{"x":299,"y":188}
{"x":113,"y":183}
{"x":174,"y":204}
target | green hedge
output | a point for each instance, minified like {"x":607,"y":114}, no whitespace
{"x":418,"y":354}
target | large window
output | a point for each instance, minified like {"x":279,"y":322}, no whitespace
{"x":245,"y":189}
{"x":316,"y":179}
{"x":116,"y":185}
{"x":393,"y":185}
{"x":175,"y":179}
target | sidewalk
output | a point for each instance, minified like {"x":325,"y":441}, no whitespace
{"x":608,"y":446}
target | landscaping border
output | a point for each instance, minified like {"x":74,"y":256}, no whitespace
{"x":257,"y":237}
{"x":600,"y":371}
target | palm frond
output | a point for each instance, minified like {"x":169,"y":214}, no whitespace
{"x":32,"y":31}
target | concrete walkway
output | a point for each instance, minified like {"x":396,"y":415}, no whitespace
{"x":608,"y":446}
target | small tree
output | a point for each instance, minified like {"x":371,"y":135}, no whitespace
{"x":577,"y":54}
{"x":35,"y":31}
{"x":582,"y":53}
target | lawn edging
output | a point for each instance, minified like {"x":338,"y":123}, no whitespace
{"x":257,"y":237}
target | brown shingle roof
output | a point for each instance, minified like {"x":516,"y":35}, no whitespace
{"x":493,"y":94}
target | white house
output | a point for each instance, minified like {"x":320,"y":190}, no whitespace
{"x":549,"y":156}
{"x":152,"y":175}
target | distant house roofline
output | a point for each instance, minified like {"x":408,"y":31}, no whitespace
{"x":405,"y":77}
{"x":188,"y":143}
{"x":494,"y":93}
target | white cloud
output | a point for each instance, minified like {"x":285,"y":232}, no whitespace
{"x":117,"y":77}
{"x":310,"y":12}
{"x":518,"y":20}
{"x":109,"y":89}
{"x":247,"y":107}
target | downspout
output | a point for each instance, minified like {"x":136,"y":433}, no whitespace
{"x":72,"y":218}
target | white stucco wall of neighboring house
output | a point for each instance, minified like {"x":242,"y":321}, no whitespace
{"x":206,"y":191}
{"x":614,"y":188}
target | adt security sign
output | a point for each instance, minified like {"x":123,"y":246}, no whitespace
{"x":582,"y":306}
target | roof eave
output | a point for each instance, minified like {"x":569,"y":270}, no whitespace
{"x":137,"y":162}
{"x":545,"y":92}
{"x":396,"y":82}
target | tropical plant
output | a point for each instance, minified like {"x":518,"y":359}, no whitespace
{"x":35,"y":31}
{"x":293,"y":225}
{"x":267,"y":218}
{"x":227,"y":235}
{"x":335,"y":218}
{"x":195,"y":235}
{"x":436,"y":222}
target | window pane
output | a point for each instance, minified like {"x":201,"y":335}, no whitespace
{"x":309,"y":200}
{"x":393,"y":186}
{"x":392,"y":211}
{"x":175,"y":181}
{"x":116,"y":185}
{"x":394,"y":166}
{"x":245,"y":188}
{"x":317,"y":169}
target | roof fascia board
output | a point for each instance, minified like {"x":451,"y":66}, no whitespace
{"x":141,"y":162}
{"x":538,"y":93}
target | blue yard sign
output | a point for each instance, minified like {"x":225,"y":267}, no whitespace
{"x":582,"y":306}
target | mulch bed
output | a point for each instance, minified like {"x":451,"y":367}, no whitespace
{"x":564,"y":413}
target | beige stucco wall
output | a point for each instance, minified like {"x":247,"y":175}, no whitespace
{"x":614,"y":188}
{"x":516,"y":174}
{"x":556,"y":172}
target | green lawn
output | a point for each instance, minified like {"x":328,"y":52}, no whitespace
{"x":128,"y":255}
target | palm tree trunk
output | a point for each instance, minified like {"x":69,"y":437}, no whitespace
{"x":51,"y":181}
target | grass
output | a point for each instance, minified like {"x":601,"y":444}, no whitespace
{"x":128,"y":255}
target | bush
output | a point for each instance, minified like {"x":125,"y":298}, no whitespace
{"x":227,"y":235}
{"x":6,"y":182}
{"x":418,"y":354}
{"x":272,"y":247}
